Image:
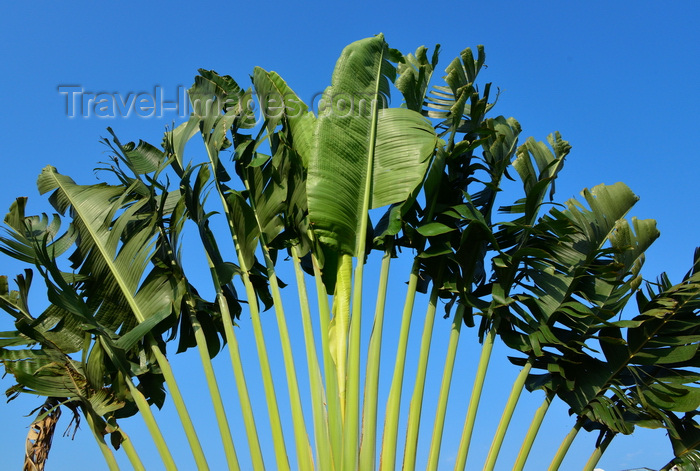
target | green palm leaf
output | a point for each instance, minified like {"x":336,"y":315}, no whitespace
{"x":415,"y":72}
{"x":364,"y":156}
{"x":124,"y":264}
{"x":27,"y":231}
{"x":648,"y":370}
{"x":564,"y":264}
{"x":458,"y":103}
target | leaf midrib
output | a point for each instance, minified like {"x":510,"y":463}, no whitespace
{"x":360,"y":240}
{"x":104,"y":252}
{"x":632,"y":353}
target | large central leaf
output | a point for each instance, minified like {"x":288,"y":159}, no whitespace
{"x":364,"y":155}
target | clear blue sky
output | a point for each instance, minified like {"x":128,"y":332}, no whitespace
{"x":619,"y":80}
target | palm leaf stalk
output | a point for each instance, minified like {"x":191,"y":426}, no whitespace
{"x":180,"y":406}
{"x":301,"y":437}
{"x":474,"y":399}
{"x":286,"y":191}
{"x":414,"y":414}
{"x":391,"y":422}
{"x":335,"y":423}
{"x":244,"y":396}
{"x":502,"y":428}
{"x":441,"y":410}
{"x":217,"y":268}
{"x":151,"y":424}
{"x":393,"y":405}
{"x":565,"y":445}
{"x":100,"y":439}
{"x":237,"y":366}
{"x":450,"y":103}
{"x":266,"y":202}
{"x":134,"y":158}
{"x":320,"y":416}
{"x":532,"y":431}
{"x":598,"y":452}
{"x":271,"y":398}
{"x":214,"y":128}
{"x":368,"y":444}
{"x":415,"y":73}
{"x":130,"y":451}
{"x":189,"y":306}
{"x":263,"y":215}
{"x":218,"y":403}
{"x":174,"y":142}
